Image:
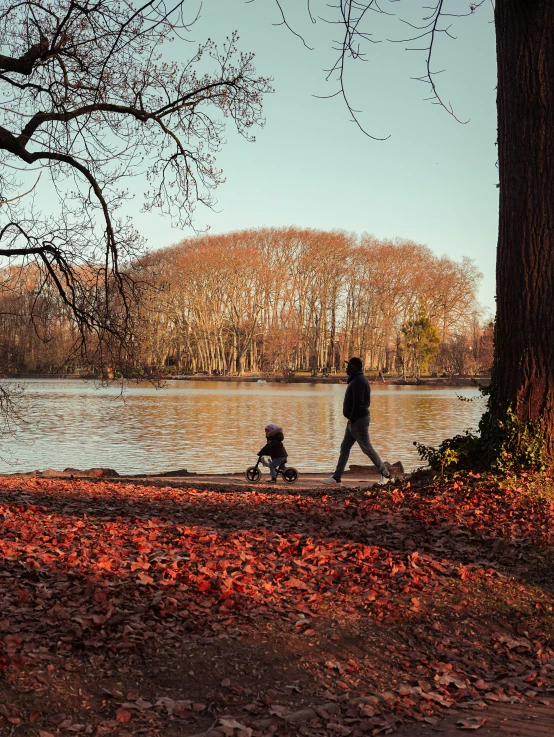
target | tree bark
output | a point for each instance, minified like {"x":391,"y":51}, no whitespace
{"x":524,"y":356}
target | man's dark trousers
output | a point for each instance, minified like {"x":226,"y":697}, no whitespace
{"x":357,"y":432}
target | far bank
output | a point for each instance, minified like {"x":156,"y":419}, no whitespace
{"x":430,"y":381}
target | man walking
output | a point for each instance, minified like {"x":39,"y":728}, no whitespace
{"x":356,"y":410}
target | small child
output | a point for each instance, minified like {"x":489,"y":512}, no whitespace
{"x":274,"y":448}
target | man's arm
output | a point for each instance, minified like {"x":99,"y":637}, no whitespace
{"x":356,"y":399}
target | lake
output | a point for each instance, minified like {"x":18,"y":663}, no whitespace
{"x":218,"y":426}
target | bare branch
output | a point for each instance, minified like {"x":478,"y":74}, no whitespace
{"x":90,"y":98}
{"x":24,"y":194}
{"x":352,"y":16}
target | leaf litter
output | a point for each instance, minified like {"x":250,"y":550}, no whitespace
{"x":133,"y":609}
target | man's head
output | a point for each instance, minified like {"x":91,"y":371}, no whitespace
{"x":354,"y":366}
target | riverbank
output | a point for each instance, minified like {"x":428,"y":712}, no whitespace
{"x":426,"y":381}
{"x":195,"y":609}
{"x":356,"y":476}
{"x":429,"y":381}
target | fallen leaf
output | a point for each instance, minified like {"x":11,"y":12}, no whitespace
{"x":228,"y":726}
{"x":470,"y":723}
{"x":123,"y":715}
{"x":143,"y":704}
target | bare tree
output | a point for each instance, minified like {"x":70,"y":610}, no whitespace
{"x":287,"y":298}
{"x":91,"y":98}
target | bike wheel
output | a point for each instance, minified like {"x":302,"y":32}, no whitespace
{"x":253,"y":474}
{"x":290,"y":475}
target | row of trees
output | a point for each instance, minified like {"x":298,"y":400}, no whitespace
{"x":281,"y":299}
{"x":276,"y":299}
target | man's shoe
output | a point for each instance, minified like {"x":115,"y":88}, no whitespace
{"x":384,"y":480}
{"x":331,"y":481}
{"x":272,"y":481}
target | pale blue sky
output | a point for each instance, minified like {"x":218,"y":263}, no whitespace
{"x":432,"y":181}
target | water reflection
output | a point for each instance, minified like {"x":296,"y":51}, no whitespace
{"x":218,"y":427}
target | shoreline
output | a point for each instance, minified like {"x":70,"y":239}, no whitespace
{"x":428,"y":381}
{"x":454,"y":381}
{"x":355,"y":476}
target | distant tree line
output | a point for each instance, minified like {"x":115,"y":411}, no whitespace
{"x":272,"y":300}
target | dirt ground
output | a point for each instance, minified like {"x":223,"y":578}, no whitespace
{"x":306,"y":481}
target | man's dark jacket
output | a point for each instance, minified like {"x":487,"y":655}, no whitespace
{"x":274,"y":447}
{"x":357,"y":397}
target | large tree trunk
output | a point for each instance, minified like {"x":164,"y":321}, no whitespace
{"x":524,"y":356}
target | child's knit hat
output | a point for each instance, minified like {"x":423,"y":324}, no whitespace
{"x":272,"y":428}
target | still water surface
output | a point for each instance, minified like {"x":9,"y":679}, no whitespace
{"x":218,"y":427}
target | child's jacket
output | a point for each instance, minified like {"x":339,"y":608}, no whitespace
{"x":274,"y":447}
